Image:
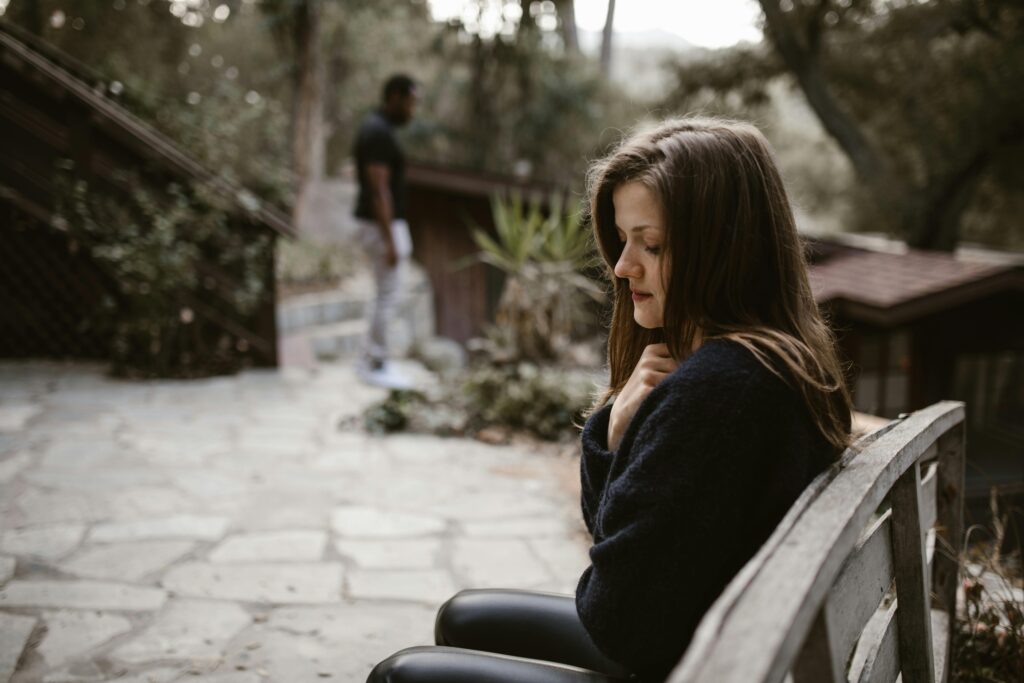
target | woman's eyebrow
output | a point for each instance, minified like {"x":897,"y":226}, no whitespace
{"x":638,"y":228}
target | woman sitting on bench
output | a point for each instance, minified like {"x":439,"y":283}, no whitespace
{"x":726,"y":399}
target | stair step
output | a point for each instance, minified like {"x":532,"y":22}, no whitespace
{"x":337,"y":339}
{"x":320,"y":308}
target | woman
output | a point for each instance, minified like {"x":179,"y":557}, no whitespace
{"x":726,"y":399}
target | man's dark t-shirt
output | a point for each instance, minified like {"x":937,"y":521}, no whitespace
{"x":376,"y":144}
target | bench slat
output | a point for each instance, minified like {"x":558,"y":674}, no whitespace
{"x":789,"y":586}
{"x":877,"y":659}
{"x":817,"y":661}
{"x":929,"y":483}
{"x":860,"y":586}
{"x":912,"y":590}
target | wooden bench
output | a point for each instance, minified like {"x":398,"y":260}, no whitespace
{"x":816,"y":604}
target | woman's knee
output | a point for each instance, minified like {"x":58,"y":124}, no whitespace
{"x":405,"y":666}
{"x":451,"y":618}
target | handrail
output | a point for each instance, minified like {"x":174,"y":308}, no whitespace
{"x":155,"y":142}
{"x":772,"y":610}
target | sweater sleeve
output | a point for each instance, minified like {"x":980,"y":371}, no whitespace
{"x":670,"y":523}
{"x":595,"y":463}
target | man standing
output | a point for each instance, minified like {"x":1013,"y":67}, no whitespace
{"x":380,"y":212}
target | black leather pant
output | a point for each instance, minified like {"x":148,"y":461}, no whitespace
{"x":503,"y":636}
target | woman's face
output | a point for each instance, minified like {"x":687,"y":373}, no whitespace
{"x":639,"y":222}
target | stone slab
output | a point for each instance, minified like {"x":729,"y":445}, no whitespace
{"x":14,"y":416}
{"x":270,"y":546}
{"x":72,"y":633}
{"x":10,"y":467}
{"x":368,"y":522}
{"x":566,"y":558}
{"x":7,"y":566}
{"x":509,"y":563}
{"x":293,"y":583}
{"x":392,"y":553}
{"x":14,"y":634}
{"x":160,"y":675}
{"x":204,"y":528}
{"x":147,"y":501}
{"x":230,"y":677}
{"x":345,"y":641}
{"x":526,"y":527}
{"x":129,"y":562}
{"x":37,"y":507}
{"x":47,"y":542}
{"x":431,"y":586}
{"x":196,"y":630}
{"x":81,"y":595}
{"x":76,"y":672}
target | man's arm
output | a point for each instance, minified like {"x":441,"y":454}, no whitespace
{"x":379,"y":178}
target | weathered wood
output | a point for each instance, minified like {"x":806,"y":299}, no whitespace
{"x":877,"y":659}
{"x":790,"y":583}
{"x":912,"y":580}
{"x":860,"y":586}
{"x":708,"y":631}
{"x":949,"y":532}
{"x":942,"y":635}
{"x":929,"y":484}
{"x":817,"y":661}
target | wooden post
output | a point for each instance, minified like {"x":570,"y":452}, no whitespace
{"x":817,"y":661}
{"x":949,"y":534}
{"x":913,"y":614}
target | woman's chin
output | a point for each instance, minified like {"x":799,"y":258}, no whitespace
{"x":646,"y":322}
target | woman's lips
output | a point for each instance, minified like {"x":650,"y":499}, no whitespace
{"x":640,"y":296}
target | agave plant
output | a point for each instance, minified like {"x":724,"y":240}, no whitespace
{"x":542,"y":255}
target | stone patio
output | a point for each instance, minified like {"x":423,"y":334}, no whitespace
{"x":227,"y":530}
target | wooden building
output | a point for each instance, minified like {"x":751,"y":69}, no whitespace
{"x":445,"y":205}
{"x":53,"y":108}
{"x":919,"y":327}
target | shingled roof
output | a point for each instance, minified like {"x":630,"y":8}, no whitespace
{"x":894,"y":288}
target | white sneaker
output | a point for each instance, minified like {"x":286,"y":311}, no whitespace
{"x":382,"y":376}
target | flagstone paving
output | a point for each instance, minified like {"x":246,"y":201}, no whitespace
{"x":227,"y":530}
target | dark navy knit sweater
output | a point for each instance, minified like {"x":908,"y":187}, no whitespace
{"x":714,"y":457}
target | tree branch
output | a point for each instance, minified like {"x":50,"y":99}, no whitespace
{"x":805,"y":66}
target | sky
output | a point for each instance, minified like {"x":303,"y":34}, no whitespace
{"x":707,"y":23}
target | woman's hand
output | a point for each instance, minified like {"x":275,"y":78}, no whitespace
{"x":655,"y":364}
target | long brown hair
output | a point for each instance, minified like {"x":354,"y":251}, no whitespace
{"x":735,"y":266}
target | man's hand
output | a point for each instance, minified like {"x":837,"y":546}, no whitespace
{"x":390,"y":254}
{"x":655,"y":364}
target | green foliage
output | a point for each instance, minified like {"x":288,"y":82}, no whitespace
{"x":211,"y":87}
{"x":165,"y":253}
{"x":304,"y":264}
{"x":544,"y":401}
{"x":930,"y":88}
{"x":393,"y":414}
{"x":545,"y":292}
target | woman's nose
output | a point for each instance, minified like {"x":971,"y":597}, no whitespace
{"x":626,"y":266}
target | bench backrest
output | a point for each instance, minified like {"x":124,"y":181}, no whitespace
{"x":814,"y":604}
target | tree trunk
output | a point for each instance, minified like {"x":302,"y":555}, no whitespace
{"x":606,"y":40}
{"x":567,"y":14}
{"x":937,"y":225}
{"x":307,"y":131}
{"x":804,"y":65}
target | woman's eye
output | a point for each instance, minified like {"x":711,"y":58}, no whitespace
{"x":653,"y":249}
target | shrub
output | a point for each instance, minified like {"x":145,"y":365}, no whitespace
{"x":988,"y":643}
{"x":166,"y":250}
{"x":545,"y":293}
{"x":545,"y":402}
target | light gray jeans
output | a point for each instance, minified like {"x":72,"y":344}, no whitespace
{"x":388,"y":280}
